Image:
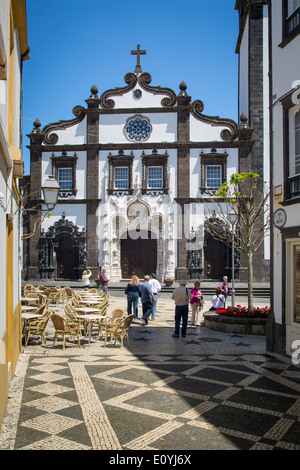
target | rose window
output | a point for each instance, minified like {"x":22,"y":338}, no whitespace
{"x":138,"y":129}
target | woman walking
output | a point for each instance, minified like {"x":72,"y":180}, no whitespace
{"x":196,"y":303}
{"x":132,"y":291}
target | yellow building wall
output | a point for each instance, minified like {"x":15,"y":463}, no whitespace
{"x":10,"y":342}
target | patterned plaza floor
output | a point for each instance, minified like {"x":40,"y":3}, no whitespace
{"x":209,"y":390}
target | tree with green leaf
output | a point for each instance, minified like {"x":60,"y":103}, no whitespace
{"x":247,"y":196}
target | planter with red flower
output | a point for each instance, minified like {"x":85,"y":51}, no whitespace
{"x":239,"y":320}
{"x":169,"y":281}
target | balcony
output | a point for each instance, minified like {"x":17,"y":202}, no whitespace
{"x":293,"y":187}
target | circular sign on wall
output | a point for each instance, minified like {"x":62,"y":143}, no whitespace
{"x":279,"y":218}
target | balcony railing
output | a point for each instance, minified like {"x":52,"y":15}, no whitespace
{"x":294,"y":186}
{"x":293,"y":21}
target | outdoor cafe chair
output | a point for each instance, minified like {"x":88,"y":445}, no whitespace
{"x":119,"y":330}
{"x":37,"y":327}
{"x":34,"y":297}
{"x":115,"y":316}
{"x":64,"y":328}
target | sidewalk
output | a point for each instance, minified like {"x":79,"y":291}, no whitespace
{"x":208,"y":390}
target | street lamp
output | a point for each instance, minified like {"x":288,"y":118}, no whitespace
{"x":50,"y":190}
{"x":232,"y":216}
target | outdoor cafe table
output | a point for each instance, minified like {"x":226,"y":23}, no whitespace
{"x":89,"y":302}
{"x":29,"y":299}
{"x":28,"y":316}
{"x":89,"y":318}
{"x":86,"y":309}
{"x":27,"y":308}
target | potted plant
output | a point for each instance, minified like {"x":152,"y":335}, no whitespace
{"x":97,"y":280}
{"x":169,"y":281}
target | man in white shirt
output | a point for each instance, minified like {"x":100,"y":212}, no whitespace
{"x":156,"y":287}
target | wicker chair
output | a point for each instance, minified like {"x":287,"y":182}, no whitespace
{"x":35,"y":299}
{"x":64,"y":328}
{"x":93,"y":290}
{"x":118,"y":329}
{"x":37,"y":327}
{"x":54,"y":297}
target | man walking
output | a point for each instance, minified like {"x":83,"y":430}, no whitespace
{"x":155,"y":287}
{"x":146,"y":296}
{"x":181,"y":295}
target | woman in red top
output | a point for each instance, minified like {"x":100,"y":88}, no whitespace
{"x":195,"y":302}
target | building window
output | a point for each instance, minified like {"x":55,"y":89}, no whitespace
{"x":155,"y":177}
{"x":297,"y":143}
{"x":120,"y":173}
{"x":121,"y":177}
{"x":213,"y":171}
{"x":290,"y":20}
{"x":296,"y":289}
{"x":65,"y":178}
{"x":155,"y":173}
{"x":64,"y":170}
{"x":213,"y":176}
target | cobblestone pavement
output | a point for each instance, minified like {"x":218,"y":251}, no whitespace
{"x":209,"y":390}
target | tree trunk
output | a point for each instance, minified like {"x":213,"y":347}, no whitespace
{"x":250,"y":280}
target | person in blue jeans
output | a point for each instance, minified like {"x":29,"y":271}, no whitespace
{"x":132,"y":291}
{"x":182,"y":296}
{"x":146,"y":298}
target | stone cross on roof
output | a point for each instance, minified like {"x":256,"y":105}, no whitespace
{"x":138,"y":53}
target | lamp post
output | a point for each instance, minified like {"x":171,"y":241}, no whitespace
{"x":232,"y":216}
{"x":50,"y":190}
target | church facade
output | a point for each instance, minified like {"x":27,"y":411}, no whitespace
{"x":138,"y":168}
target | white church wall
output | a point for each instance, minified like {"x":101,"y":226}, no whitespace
{"x":74,"y":135}
{"x":75,"y":213}
{"x":203,"y":132}
{"x":111,"y":128}
{"x":147,"y":100}
{"x":80,"y":171}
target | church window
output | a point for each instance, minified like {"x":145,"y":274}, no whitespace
{"x":121,"y":177}
{"x":213,"y":176}
{"x":64,"y":170}
{"x":138,"y":128}
{"x":155,"y":177}
{"x":155,"y":173}
{"x":213,"y":170}
{"x":65,"y":178}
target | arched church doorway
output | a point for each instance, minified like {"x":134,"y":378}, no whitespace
{"x":65,"y":257}
{"x":138,"y":254}
{"x":215,"y":257}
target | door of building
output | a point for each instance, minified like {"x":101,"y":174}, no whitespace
{"x":65,"y":257}
{"x":214,"y":258}
{"x":138,"y":256}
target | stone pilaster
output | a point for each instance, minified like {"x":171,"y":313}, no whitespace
{"x":92,"y":181}
{"x":31,"y":246}
{"x":183,"y":178}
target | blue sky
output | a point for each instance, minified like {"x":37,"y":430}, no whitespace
{"x":75,"y":44}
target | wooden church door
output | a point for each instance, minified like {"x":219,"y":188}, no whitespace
{"x":138,"y":256}
{"x":65,"y":257}
{"x":214,"y":258}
